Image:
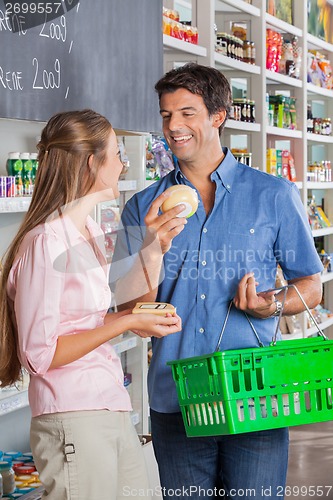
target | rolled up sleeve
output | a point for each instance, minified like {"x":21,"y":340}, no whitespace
{"x":39,"y":282}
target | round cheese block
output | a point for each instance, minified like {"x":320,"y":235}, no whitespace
{"x":181,"y":194}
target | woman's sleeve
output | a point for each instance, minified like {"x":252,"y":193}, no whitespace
{"x":40,"y":280}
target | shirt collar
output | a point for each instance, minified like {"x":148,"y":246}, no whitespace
{"x":225,"y":172}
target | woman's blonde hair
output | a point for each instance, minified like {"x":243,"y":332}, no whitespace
{"x":67,"y":142}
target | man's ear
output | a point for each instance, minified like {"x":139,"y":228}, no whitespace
{"x":219,"y":118}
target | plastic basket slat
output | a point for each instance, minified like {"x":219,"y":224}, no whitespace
{"x":290,"y":383}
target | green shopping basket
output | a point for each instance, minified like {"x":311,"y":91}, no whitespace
{"x":284,"y":384}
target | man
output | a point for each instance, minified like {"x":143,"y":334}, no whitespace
{"x":246,"y":224}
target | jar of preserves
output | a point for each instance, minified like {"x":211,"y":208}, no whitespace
{"x":247,"y":51}
{"x":8,"y":477}
{"x":252,"y":112}
{"x":221,"y":43}
{"x":253,"y":53}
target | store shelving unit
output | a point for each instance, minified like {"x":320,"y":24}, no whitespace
{"x":260,"y":136}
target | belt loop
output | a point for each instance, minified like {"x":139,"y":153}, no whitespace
{"x":69,"y":451}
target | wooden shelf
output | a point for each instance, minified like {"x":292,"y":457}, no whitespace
{"x":236,"y":6}
{"x":228,"y":63}
{"x":326,"y":277}
{"x":273,"y":78}
{"x":12,"y":400}
{"x":314,"y":89}
{"x":319,"y":185}
{"x":281,"y":26}
{"x":316,"y":43}
{"x":171,"y":43}
{"x":14,"y":205}
{"x":324,"y":139}
{"x":242,"y":126}
{"x":325,"y":231}
{"x":325,"y":324}
{"x":284,"y":132}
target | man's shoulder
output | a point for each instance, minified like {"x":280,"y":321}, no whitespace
{"x":265,"y":180}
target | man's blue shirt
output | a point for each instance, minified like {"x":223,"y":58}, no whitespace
{"x":257,"y":222}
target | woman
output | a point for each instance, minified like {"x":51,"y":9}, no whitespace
{"x":54,"y":320}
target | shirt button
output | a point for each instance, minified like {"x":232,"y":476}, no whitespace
{"x":201,"y":330}
{"x":228,"y":186}
{"x":252,"y":230}
{"x":203,"y":262}
{"x":203,"y":296}
{"x":205,"y":230}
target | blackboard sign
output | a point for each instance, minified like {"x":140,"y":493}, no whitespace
{"x":102,"y":54}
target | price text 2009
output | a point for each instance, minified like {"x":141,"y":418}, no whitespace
{"x":33,"y":8}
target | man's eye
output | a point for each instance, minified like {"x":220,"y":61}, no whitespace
{"x":188,"y":114}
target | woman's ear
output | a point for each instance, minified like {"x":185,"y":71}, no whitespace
{"x":91,"y":163}
{"x":219,"y":118}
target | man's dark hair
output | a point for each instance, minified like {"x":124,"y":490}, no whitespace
{"x":205,"y":81}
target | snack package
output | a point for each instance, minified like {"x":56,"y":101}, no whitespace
{"x":162,"y":156}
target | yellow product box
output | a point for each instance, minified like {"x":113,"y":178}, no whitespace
{"x":279,"y":162}
{"x":271,"y":161}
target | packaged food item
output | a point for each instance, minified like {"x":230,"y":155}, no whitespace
{"x":8,"y":477}
{"x":158,"y":308}
{"x":27,"y":167}
{"x":162,"y":156}
{"x":123,"y":158}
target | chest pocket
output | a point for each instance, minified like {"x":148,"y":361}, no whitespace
{"x":254,"y":237}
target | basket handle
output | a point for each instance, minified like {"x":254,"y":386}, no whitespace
{"x":285,"y":288}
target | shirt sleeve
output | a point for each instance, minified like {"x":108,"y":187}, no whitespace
{"x":294,"y":248}
{"x":39,"y":284}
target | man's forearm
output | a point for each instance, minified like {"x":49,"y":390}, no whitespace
{"x":309,"y":287}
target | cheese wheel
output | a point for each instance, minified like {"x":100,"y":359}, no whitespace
{"x":181,"y":194}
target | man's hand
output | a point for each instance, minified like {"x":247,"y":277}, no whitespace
{"x":259,"y":305}
{"x":163,"y":227}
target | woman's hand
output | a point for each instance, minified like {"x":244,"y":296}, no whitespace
{"x":152,"y":325}
{"x":166,"y":226}
{"x":259,"y":305}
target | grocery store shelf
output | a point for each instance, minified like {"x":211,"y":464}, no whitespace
{"x":314,"y":89}
{"x":19,"y":204}
{"x":171,"y":43}
{"x":292,"y":336}
{"x":325,"y":277}
{"x":125,"y":343}
{"x":328,"y":139}
{"x":272,"y":77}
{"x":325,"y":324}
{"x":228,"y":63}
{"x":317,"y":43}
{"x":284,"y":132}
{"x":12,"y":400}
{"x":282,"y":26}
{"x":236,"y":6}
{"x":319,"y":185}
{"x":325,"y":231}
{"x":127,"y":185}
{"x":242,"y":126}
